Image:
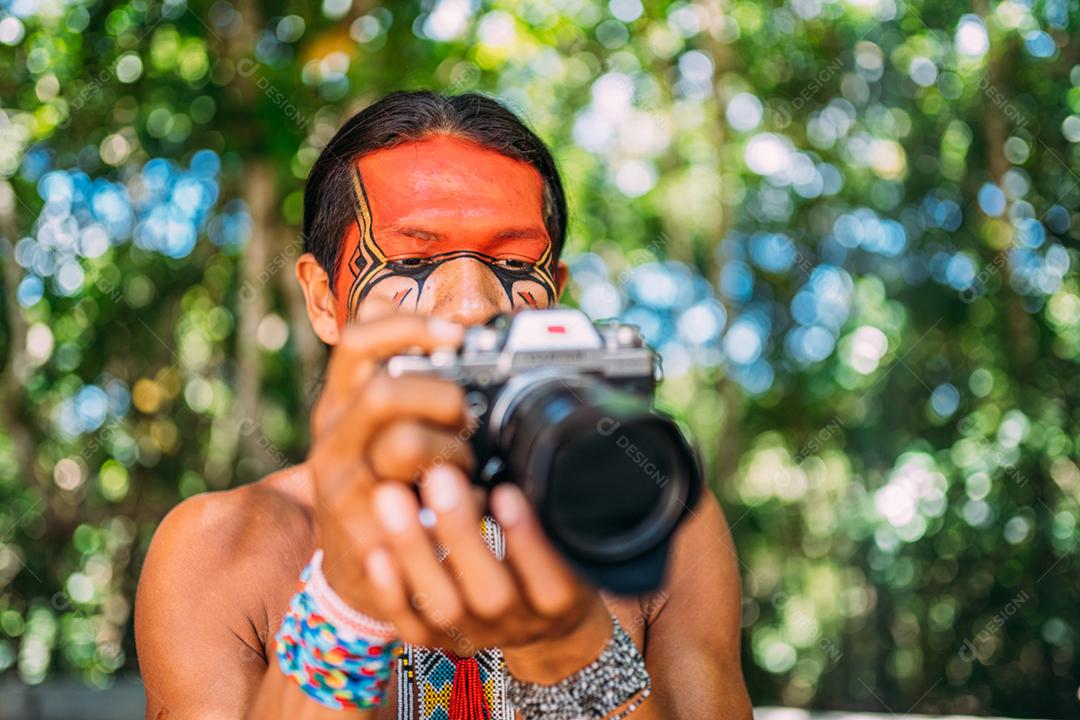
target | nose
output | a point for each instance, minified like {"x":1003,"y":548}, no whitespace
{"x":466,"y":291}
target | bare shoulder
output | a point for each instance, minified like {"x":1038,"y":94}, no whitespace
{"x":221,"y":565}
{"x":693,"y":650}
{"x":703,"y":573}
{"x":705,"y":531}
{"x":701,"y":576}
{"x":237,"y":535}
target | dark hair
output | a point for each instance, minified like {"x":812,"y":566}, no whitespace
{"x":411,"y":115}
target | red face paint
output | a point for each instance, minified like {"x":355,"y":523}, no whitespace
{"x":447,"y":226}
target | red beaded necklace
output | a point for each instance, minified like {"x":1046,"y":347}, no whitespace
{"x":467,"y":700}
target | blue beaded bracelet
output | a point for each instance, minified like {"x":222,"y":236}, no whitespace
{"x":332,"y":663}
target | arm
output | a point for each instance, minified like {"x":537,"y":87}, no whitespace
{"x":691,"y":645}
{"x":215,"y":556}
{"x":199,"y":654}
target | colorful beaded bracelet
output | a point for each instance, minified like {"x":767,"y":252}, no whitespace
{"x":338,"y":656}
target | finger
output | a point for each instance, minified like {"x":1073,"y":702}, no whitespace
{"x":392,"y":597}
{"x":353,"y":360}
{"x":430,"y":587}
{"x":404,"y":448}
{"x":549,"y":585}
{"x":385,"y":400}
{"x":374,"y":307}
{"x":398,"y":332}
{"x":487,"y":587}
{"x":401,"y":610}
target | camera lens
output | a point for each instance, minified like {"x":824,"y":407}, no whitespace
{"x":606,"y":492}
{"x":609,"y":478}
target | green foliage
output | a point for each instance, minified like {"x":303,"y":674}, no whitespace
{"x":849,"y":226}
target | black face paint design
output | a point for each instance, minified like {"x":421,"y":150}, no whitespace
{"x":369,"y":265}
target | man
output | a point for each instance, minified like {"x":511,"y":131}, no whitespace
{"x":423,"y":214}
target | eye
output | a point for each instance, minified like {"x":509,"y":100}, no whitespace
{"x":514,"y":265}
{"x":412,"y":262}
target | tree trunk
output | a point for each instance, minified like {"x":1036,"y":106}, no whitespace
{"x":260,"y":194}
{"x":16,"y":371}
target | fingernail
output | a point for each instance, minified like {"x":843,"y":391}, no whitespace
{"x":392,"y":510}
{"x":445,"y":330}
{"x":508,"y":504}
{"x":442,"y":489}
{"x":379,"y":569}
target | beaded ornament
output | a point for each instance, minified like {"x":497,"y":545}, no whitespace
{"x":341,"y":665}
{"x":427,"y":676}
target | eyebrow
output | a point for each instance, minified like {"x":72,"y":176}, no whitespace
{"x":521,"y":233}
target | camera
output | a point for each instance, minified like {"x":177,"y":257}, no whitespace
{"x":564,"y":409}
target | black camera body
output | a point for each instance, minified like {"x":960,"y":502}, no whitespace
{"x":564,"y":410}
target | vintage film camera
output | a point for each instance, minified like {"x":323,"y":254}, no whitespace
{"x":564,"y":410}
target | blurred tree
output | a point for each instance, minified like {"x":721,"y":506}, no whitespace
{"x":850,"y":227}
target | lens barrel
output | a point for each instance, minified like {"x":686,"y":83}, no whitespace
{"x":610,"y":478}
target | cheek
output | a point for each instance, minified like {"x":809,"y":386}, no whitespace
{"x":402,"y":291}
{"x":530,"y":294}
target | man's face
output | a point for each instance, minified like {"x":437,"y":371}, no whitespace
{"x":446,"y":226}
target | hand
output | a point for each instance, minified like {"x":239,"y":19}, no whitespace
{"x":471,"y":600}
{"x":368,"y":427}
